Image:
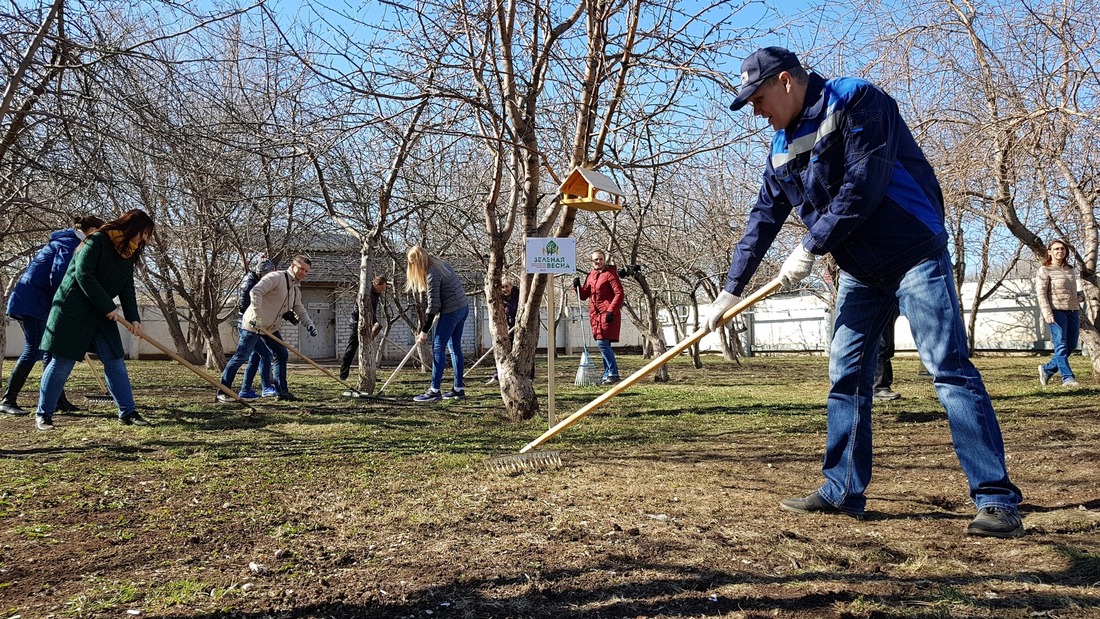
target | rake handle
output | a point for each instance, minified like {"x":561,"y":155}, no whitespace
{"x":768,"y":289}
{"x":95,"y":375}
{"x":187,"y":364}
{"x":307,"y":359}
{"x":398,"y":368}
{"x":483,"y":357}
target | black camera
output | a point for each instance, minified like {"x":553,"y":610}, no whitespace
{"x":290,"y":317}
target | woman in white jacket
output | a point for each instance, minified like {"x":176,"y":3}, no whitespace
{"x":1059,"y":302}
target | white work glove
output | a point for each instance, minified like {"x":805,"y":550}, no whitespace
{"x":719,"y":306}
{"x":797,"y":266}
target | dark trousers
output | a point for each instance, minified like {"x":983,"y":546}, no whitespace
{"x":350,"y":352}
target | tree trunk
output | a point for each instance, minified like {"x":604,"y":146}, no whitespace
{"x":369,"y":345}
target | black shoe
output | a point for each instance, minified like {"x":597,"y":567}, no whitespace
{"x":344,"y":373}
{"x":996,"y":522}
{"x":287,"y":397}
{"x":65,"y":406}
{"x":886,"y":394}
{"x":455,"y":394}
{"x":134,"y":419}
{"x":814,"y":504}
{"x":12,"y":409}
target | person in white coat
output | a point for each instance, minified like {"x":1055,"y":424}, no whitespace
{"x":277,"y":296}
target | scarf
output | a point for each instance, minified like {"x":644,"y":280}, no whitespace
{"x":116,"y":238}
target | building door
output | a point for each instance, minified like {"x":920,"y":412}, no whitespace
{"x":318,"y":302}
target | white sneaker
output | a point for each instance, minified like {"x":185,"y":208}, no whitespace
{"x":1070,"y":383}
{"x":1044,"y":378}
{"x":43,"y":422}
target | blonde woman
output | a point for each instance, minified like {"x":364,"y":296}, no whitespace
{"x":447,"y":308}
{"x":1059,"y":302}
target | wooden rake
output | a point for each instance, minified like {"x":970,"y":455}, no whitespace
{"x":351,"y":392}
{"x":528,"y":460}
{"x":187,"y":364}
{"x":97,"y":397}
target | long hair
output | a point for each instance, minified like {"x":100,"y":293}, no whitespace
{"x":1048,"y":261}
{"x":416,"y":271}
{"x":87,"y":223}
{"x":131,"y":224}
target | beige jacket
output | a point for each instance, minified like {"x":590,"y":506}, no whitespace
{"x":272,"y":296}
{"x":1056,"y":288}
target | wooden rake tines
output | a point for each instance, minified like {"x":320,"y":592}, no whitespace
{"x":770,"y":288}
{"x":187,"y":364}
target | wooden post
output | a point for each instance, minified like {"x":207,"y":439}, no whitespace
{"x":550,"y":346}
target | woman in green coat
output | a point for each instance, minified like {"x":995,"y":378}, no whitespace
{"x":83,"y":316}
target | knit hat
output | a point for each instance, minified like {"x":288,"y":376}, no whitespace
{"x":262,"y":264}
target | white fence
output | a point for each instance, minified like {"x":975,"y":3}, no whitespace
{"x":1007,"y":321}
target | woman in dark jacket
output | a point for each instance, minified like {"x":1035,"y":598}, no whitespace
{"x":447,"y":300}
{"x":30,"y":305}
{"x":84,"y":314}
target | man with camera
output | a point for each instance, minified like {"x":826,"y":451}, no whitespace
{"x":276,"y":296}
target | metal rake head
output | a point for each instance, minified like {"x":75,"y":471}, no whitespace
{"x":525,"y":463}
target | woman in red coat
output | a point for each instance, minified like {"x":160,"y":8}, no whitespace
{"x":605,"y":297}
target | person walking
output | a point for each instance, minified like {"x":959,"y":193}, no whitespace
{"x":83,"y":316}
{"x":604,"y":292}
{"x":377,"y":289}
{"x":1060,"y":304}
{"x":260,"y":359}
{"x":447,"y":308}
{"x":30,"y":301}
{"x":276,"y":297}
{"x":845,"y":161}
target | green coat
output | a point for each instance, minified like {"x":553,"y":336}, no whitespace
{"x":95,"y":277}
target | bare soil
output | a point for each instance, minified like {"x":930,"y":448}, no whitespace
{"x":665,"y":506}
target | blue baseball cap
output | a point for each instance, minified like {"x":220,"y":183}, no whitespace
{"x":762,"y":64}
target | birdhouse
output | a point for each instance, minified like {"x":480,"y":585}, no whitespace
{"x":589,"y":190}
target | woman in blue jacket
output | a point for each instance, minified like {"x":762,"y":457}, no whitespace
{"x":30,"y":305}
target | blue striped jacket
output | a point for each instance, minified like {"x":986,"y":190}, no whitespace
{"x":855,"y":176}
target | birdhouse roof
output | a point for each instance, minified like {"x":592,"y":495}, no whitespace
{"x":579,"y":176}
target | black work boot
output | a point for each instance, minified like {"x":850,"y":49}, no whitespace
{"x":19,"y":374}
{"x":65,"y":406}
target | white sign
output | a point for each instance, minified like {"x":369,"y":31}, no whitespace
{"x":551,"y":255}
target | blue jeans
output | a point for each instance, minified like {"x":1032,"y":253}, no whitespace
{"x":448,"y":335}
{"x":610,"y":366}
{"x":114,"y":369}
{"x":33,"y":330}
{"x":926,"y":294}
{"x":247,"y":344}
{"x":1063,"y":334}
{"x":259,"y":360}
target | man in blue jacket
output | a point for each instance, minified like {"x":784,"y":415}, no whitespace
{"x":845,"y":161}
